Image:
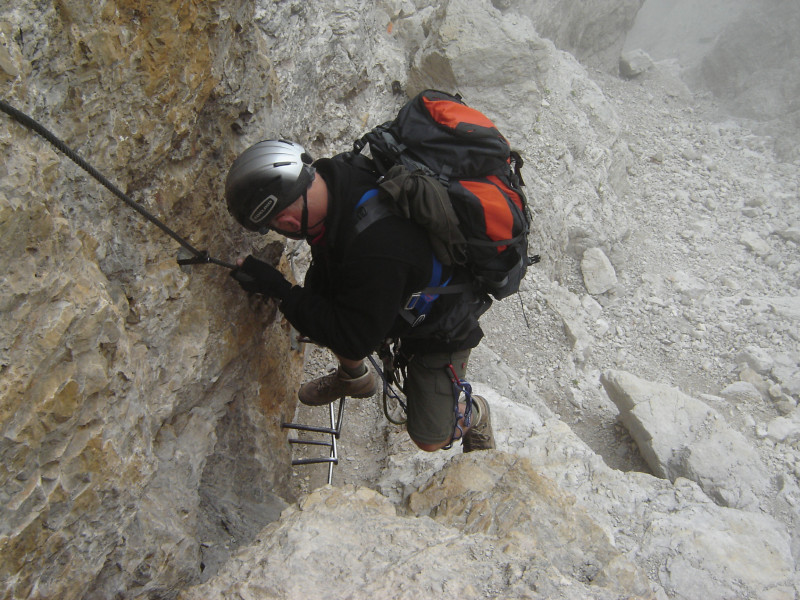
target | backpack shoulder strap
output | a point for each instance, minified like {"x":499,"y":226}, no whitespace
{"x":370,"y":209}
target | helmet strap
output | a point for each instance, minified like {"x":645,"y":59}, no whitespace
{"x":304,"y":215}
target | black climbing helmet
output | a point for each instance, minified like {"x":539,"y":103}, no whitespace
{"x":264,"y":180}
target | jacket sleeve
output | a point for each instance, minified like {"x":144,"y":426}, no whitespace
{"x":315,"y":278}
{"x":353,"y":314}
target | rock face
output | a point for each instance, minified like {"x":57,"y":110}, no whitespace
{"x":594,"y":32}
{"x":140,"y":412}
{"x":140,"y":405}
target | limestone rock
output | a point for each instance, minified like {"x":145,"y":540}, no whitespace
{"x":484,"y":541}
{"x":543,"y":514}
{"x":593,"y":31}
{"x":696,"y":544}
{"x":787,"y":373}
{"x":574,"y":316}
{"x":634,"y":63}
{"x":741,"y":546}
{"x":785,"y":429}
{"x":741,"y":392}
{"x":790,"y":234}
{"x":598,"y":272}
{"x":125,"y":381}
{"x":755,"y":243}
{"x":504,"y":497}
{"x":757,"y":359}
{"x":689,"y":286}
{"x":680,"y":436}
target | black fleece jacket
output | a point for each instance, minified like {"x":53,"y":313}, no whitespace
{"x":357,"y":284}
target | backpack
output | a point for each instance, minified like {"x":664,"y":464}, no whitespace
{"x":438,"y":135}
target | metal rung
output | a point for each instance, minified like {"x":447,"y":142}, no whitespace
{"x":311,"y":428}
{"x":314,"y":461}
{"x":309,"y":442}
{"x":334,"y":431}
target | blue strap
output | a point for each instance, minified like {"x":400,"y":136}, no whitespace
{"x":436,"y":279}
{"x":420,"y":304}
{"x":369,"y":194}
{"x":436,"y":273}
{"x":367,"y":213}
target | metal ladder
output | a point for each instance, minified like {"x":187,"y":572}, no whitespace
{"x":334,"y":431}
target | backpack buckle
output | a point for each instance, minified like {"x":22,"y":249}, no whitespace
{"x":411,"y":303}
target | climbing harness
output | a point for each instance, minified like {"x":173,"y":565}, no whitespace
{"x":392,"y":374}
{"x":459,"y":387}
{"x":196,"y":256}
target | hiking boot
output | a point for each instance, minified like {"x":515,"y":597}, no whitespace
{"x":480,"y":435}
{"x":329,"y":388}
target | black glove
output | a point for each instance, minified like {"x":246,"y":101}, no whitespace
{"x":258,"y":277}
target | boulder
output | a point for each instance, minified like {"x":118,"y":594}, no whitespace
{"x":634,"y":63}
{"x":350,"y":542}
{"x":598,"y":272}
{"x":680,"y":436}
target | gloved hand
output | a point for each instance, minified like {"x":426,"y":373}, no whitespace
{"x":258,"y":277}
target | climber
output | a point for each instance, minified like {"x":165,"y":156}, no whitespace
{"x":357,"y":287}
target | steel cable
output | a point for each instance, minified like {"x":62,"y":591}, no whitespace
{"x":35,"y":126}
